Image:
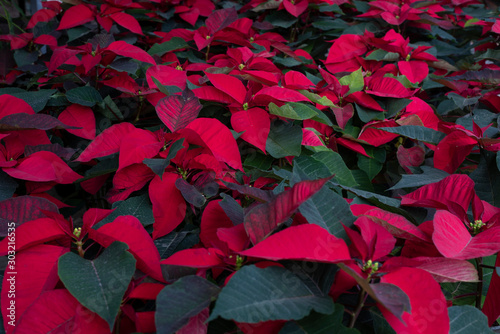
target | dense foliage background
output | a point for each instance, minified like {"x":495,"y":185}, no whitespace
{"x":264,"y":166}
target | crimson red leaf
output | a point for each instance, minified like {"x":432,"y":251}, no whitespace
{"x":57,"y":311}
{"x":75,"y":16}
{"x":229,"y":85}
{"x":442,"y":269}
{"x":264,"y":218}
{"x":128,"y":229}
{"x":167,"y":76}
{"x":42,"y":15}
{"x":297,"y":7}
{"x":35,"y":271}
{"x":124,"y":49}
{"x":220,"y":19}
{"x":127,"y":21}
{"x":22,"y":121}
{"x":43,"y":166}
{"x":343,"y":114}
{"x":177,"y":111}
{"x":256,"y":125}
{"x":380,"y":242}
{"x":491,"y":306}
{"x":107,"y":142}
{"x":197,"y":324}
{"x":22,"y":209}
{"x":146,"y":291}
{"x":169,"y":207}
{"x":410,"y":157}
{"x":218,"y":139}
{"x":429,"y":312}
{"x":456,"y":188}
{"x":276,"y":93}
{"x":450,"y":236}
{"x":28,"y":234}
{"x":255,"y":193}
{"x":388,"y":87}
{"x":139,"y":145}
{"x":13,"y":105}
{"x":346,"y":47}
{"x":306,"y":242}
{"x":397,"y":225}
{"x":59,"y":57}
{"x":79,"y":116}
{"x":414,"y":70}
{"x":452,"y":150}
{"x":212,"y":219}
{"x":197,"y":258}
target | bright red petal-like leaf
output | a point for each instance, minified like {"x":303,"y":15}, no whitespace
{"x":124,"y":49}
{"x":107,"y":142}
{"x":128,"y":229}
{"x":29,"y":234}
{"x":388,"y":87}
{"x":79,"y":116}
{"x":256,"y":125}
{"x":75,"y":16}
{"x":276,"y":93}
{"x":60,"y":56}
{"x":220,"y":19}
{"x":264,"y":218}
{"x":380,"y":242}
{"x":306,"y":242}
{"x":397,"y":225}
{"x":452,"y":151}
{"x":197,"y":324}
{"x":456,"y":188}
{"x":346,"y":47}
{"x":218,"y":139}
{"x":229,"y":85}
{"x":364,"y":100}
{"x":127,"y":21}
{"x":43,"y":166}
{"x":167,"y":76}
{"x":146,"y":291}
{"x":297,"y":7}
{"x":451,"y":237}
{"x":410,"y":157}
{"x":177,"y":111}
{"x":35,"y":271}
{"x":197,"y":258}
{"x":13,"y":105}
{"x":343,"y":114}
{"x":139,"y":145}
{"x":297,"y":80}
{"x":491,"y":306}
{"x":41,"y":15}
{"x":442,"y":269}
{"x":375,"y":137}
{"x":414,"y":70}
{"x":212,"y":219}
{"x":169,"y":207}
{"x":94,"y":215}
{"x":429,"y":311}
{"x":57,"y":311}
{"x":235,"y":237}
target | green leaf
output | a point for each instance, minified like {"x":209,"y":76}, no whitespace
{"x":429,"y":175}
{"x":463,"y":102}
{"x":355,"y":81}
{"x":86,"y":96}
{"x":487,"y":179}
{"x":498,"y":160}
{"x":180,"y":301}
{"x":373,"y":197}
{"x":382,"y":55}
{"x":285,"y":139}
{"x":273,"y":293}
{"x":175,"y":43}
{"x":415,"y":132}
{"x":36,"y":99}
{"x":394,"y":106}
{"x":328,"y":210}
{"x":293,"y":110}
{"x":7,"y":186}
{"x":380,"y":324}
{"x":281,"y":19}
{"x":467,"y":319}
{"x":258,"y":160}
{"x":366,"y":115}
{"x":369,"y":165}
{"x":112,"y":111}
{"x":138,"y":206}
{"x":323,"y":164}
{"x":158,"y":165}
{"x":99,"y":284}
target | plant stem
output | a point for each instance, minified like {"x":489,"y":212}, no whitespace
{"x":479,"y":291}
{"x":359,"y":307}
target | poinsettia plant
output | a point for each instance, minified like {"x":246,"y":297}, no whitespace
{"x":269,"y":166}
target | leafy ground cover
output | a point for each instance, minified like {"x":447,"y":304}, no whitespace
{"x":308,"y":166}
